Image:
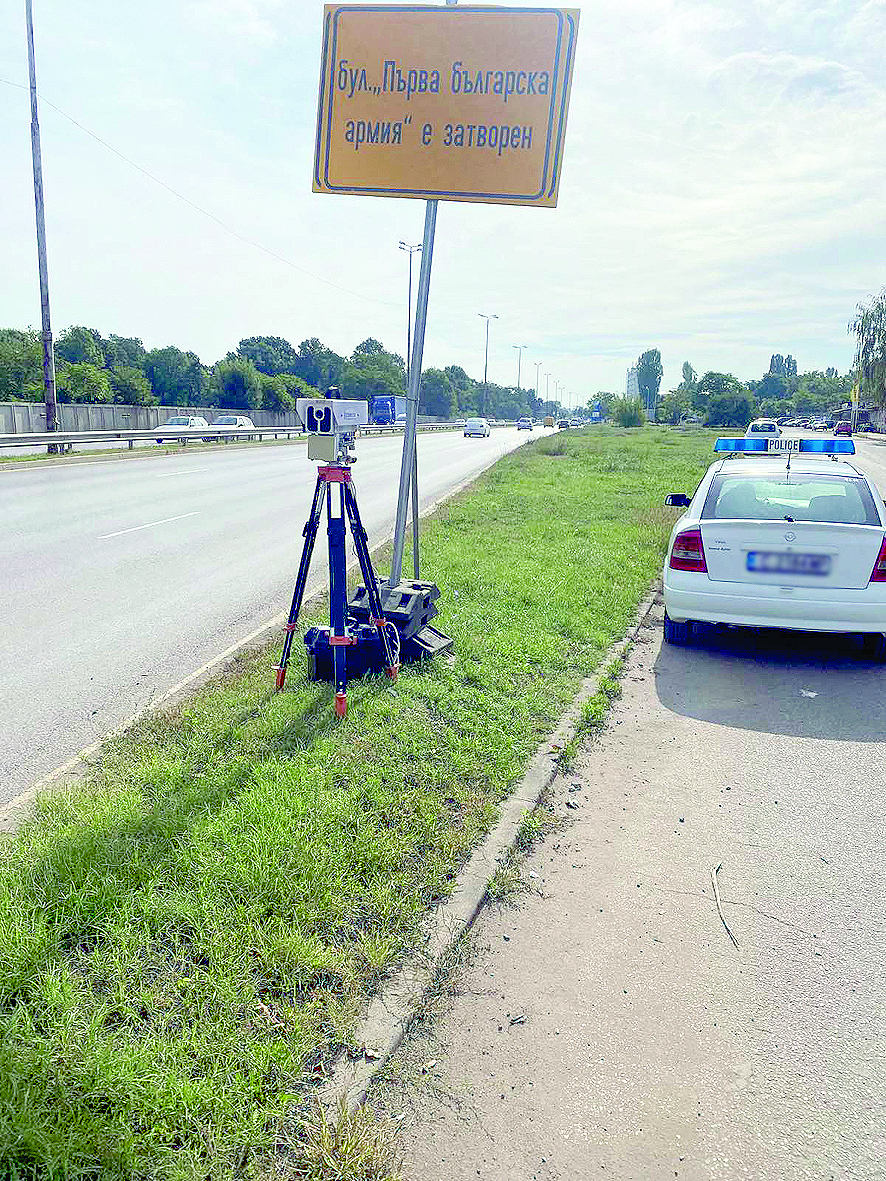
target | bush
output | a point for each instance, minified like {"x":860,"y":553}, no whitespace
{"x":627,"y":412}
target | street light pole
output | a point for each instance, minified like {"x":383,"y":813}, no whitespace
{"x":483,"y":316}
{"x":36,"y":160}
{"x":414,"y":481}
{"x":519,"y":348}
{"x":537,"y":368}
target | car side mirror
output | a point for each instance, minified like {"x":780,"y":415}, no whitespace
{"x":678,"y":500}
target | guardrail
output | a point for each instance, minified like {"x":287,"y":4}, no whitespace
{"x":67,"y":440}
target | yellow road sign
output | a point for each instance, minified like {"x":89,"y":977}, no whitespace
{"x":457,"y":103}
{"x":855,"y":395}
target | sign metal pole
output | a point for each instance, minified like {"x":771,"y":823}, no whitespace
{"x":415,"y":362}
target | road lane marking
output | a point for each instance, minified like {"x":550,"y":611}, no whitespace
{"x":150,"y":525}
{"x":187,"y":472}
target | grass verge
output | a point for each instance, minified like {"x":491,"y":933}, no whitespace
{"x":188,"y":937}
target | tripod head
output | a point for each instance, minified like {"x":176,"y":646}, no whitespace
{"x":330,"y":424}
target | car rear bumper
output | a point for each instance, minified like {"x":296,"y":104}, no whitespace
{"x":694,"y":596}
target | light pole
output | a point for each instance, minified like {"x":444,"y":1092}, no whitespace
{"x":537,"y":367}
{"x":411,"y":250}
{"x":483,"y":316}
{"x":519,"y":348}
{"x":48,"y":354}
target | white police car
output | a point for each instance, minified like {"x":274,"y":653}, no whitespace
{"x":784,"y":533}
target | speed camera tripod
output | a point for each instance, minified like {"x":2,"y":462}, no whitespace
{"x":340,"y":637}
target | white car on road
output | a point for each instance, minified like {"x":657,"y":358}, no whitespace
{"x":477,"y":427}
{"x":790,"y":538}
{"x":763,"y":426}
{"x":235,"y":422}
{"x":180,"y":423}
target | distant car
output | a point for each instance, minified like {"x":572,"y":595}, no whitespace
{"x":784,"y":421}
{"x":524,"y":424}
{"x":763,"y":426}
{"x":477,"y":428}
{"x":183,"y":422}
{"x":563,"y":424}
{"x":238,"y":422}
{"x":843,"y":427}
{"x":576,"y":422}
{"x":868,"y":428}
{"x":820,"y":424}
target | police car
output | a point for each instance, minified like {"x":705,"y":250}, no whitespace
{"x":784,"y":533}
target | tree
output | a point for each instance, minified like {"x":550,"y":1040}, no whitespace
{"x":773,"y":385}
{"x":131,"y":387}
{"x":177,"y":378}
{"x":776,"y":365}
{"x":673,"y":406}
{"x":627,"y":411}
{"x":368,"y":348}
{"x":869,"y":326}
{"x":269,"y":354}
{"x":689,"y":376}
{"x":280,"y":391}
{"x":318,"y":365}
{"x":82,"y":383}
{"x":21,"y":365}
{"x":236,"y":384}
{"x":80,"y":345}
{"x":124,"y":350}
{"x":437,"y":397}
{"x":649,"y":375}
{"x":729,"y":410}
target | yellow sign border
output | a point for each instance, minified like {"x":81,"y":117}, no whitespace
{"x":554,"y":132}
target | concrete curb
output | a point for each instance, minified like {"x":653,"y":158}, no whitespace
{"x":15,"y":811}
{"x":392,"y":1010}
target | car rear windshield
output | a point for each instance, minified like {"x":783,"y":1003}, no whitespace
{"x":227,"y":420}
{"x":842,"y":500}
{"x":763,"y":428}
{"x":178,"y":422}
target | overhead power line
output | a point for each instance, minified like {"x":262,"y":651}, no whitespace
{"x":199,"y":208}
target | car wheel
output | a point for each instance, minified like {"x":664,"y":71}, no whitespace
{"x":874,"y":647}
{"x":677,"y":633}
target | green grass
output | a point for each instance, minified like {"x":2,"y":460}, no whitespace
{"x":186,"y":939}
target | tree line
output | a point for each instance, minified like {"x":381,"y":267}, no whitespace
{"x":719,"y":399}
{"x":262,"y":373}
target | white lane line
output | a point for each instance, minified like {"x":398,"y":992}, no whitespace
{"x":186,"y":472}
{"x":150,"y":525}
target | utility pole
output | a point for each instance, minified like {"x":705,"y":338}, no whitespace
{"x":483,"y":316}
{"x":537,"y":367}
{"x":48,"y":355}
{"x":414,"y":480}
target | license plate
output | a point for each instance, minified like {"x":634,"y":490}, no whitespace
{"x":783,"y":444}
{"x":760,"y":563}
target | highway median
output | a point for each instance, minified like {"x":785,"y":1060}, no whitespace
{"x":190,"y":933}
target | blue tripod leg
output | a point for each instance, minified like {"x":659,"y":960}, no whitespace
{"x":310,"y":535}
{"x":338,"y":601}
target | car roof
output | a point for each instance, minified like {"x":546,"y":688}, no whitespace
{"x":771,"y":467}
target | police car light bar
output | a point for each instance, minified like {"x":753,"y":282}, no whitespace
{"x":770,"y":446}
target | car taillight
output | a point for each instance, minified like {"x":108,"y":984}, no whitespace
{"x":687,"y":552}
{"x":878,"y":574}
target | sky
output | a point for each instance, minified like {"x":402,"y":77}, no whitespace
{"x":723,"y":193}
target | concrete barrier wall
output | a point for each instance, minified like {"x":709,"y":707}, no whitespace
{"x":24,"y":418}
{"x":27,"y":418}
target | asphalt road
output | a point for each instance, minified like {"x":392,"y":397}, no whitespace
{"x":120,"y":578}
{"x":607,"y":1026}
